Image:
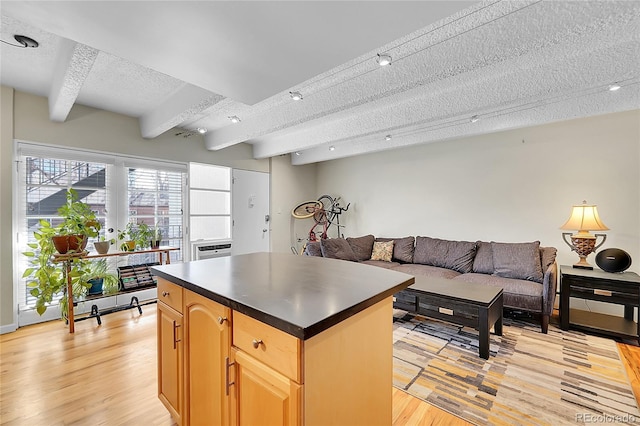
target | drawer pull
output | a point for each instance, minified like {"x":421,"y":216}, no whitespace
{"x":602,"y":292}
{"x":445,"y":311}
{"x":228,"y":384}
{"x":257,"y":342}
{"x":165,"y":293}
{"x":222,"y":319}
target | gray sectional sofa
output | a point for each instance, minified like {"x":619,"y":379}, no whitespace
{"x":525,"y":271}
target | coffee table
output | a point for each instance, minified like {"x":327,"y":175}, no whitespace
{"x":468,"y":304}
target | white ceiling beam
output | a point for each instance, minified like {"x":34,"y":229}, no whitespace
{"x":71,"y":70}
{"x":187,"y":104}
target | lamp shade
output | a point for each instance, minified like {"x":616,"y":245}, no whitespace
{"x":584,"y":218}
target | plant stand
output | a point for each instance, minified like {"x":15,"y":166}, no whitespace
{"x":95,"y":312}
{"x":163,"y":254}
{"x":67,"y":259}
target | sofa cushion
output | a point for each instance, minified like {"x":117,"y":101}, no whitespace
{"x":483,"y":262}
{"x":547,"y":257}
{"x":337,"y":248}
{"x":519,"y":294}
{"x":313,"y":249}
{"x":381,"y":263}
{"x":426,"y":270}
{"x":456,"y":255}
{"x":402,"y":248}
{"x":362,"y":246}
{"x":382,"y":250}
{"x":517,"y":260}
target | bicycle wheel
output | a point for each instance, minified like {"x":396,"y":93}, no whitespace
{"x":306,"y":209}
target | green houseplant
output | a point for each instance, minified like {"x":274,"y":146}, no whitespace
{"x":128,"y":237}
{"x":46,"y":278}
{"x":101,"y":280}
{"x":78,"y":224}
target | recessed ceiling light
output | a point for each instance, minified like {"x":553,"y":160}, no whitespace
{"x":614,"y":87}
{"x":296,"y":96}
{"x":298,"y":153}
{"x":23,"y":40}
{"x":234,"y":119}
{"x":474,"y":118}
{"x":387,"y":138}
{"x":332,"y":148}
{"x":383,"y":60}
{"x":202,"y":130}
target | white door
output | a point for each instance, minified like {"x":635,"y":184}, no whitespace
{"x":250,"y":215}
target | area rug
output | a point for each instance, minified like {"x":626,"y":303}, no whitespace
{"x":530,"y":378}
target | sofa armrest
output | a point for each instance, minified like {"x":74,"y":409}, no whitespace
{"x":549,"y":283}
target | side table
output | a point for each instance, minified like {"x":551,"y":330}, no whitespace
{"x":617,"y":288}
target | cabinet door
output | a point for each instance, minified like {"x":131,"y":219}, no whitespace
{"x":170,"y":360}
{"x":207,"y":346}
{"x":262,"y":396}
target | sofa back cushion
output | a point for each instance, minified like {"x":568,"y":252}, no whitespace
{"x":402,"y":248}
{"x":361,"y":246}
{"x":455,"y":255}
{"x":337,"y":248}
{"x":517,"y":260}
{"x":483,"y":262}
{"x":313,"y":249}
{"x":547,"y":257}
{"x":382,"y":250}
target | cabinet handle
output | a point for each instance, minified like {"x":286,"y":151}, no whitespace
{"x":175,"y":335}
{"x":165,"y":293}
{"x":222,"y":319}
{"x":257,"y":343}
{"x":226,"y":379}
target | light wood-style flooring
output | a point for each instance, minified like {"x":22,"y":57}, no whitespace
{"x":107,"y":375}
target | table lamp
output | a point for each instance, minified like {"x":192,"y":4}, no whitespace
{"x":584,"y":218}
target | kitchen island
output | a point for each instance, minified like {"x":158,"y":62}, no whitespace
{"x":271,"y":338}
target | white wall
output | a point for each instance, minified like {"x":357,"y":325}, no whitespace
{"x":512,"y":186}
{"x":290,"y":185}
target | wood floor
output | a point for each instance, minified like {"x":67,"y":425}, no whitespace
{"x":107,"y":375}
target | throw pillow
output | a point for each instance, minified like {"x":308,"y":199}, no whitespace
{"x":483,"y":262}
{"x":313,"y":249}
{"x":362,"y":246}
{"x":402,"y":248}
{"x":382,"y":250}
{"x":337,"y":248}
{"x":517,"y":260}
{"x":455,"y":255}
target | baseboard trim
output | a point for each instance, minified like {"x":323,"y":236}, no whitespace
{"x":9,"y":328}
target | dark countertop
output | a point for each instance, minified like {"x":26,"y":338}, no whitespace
{"x":300,"y":295}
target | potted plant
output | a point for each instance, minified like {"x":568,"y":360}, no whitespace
{"x":156,"y":237}
{"x":102,"y":246}
{"x":79,"y":223}
{"x":128,"y":237}
{"x":100,"y":278}
{"x":46,"y":278}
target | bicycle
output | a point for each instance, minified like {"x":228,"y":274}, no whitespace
{"x":322,"y":216}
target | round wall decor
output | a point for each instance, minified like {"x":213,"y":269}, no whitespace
{"x":613,"y":260}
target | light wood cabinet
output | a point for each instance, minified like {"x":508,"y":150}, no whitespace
{"x":206,"y":354}
{"x":170,"y":360}
{"x":262,"y":396}
{"x":240,"y":371}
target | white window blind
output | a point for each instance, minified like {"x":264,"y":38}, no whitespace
{"x":155,"y":197}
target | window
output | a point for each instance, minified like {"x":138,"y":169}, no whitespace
{"x":120,"y":190}
{"x":210,"y":202}
{"x":155,"y":198}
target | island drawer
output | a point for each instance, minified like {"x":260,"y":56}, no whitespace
{"x":277,"y":349}
{"x":170,"y":294}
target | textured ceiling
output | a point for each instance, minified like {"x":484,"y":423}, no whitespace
{"x":510,"y":63}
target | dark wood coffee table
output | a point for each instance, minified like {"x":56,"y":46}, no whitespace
{"x":472,"y":305}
